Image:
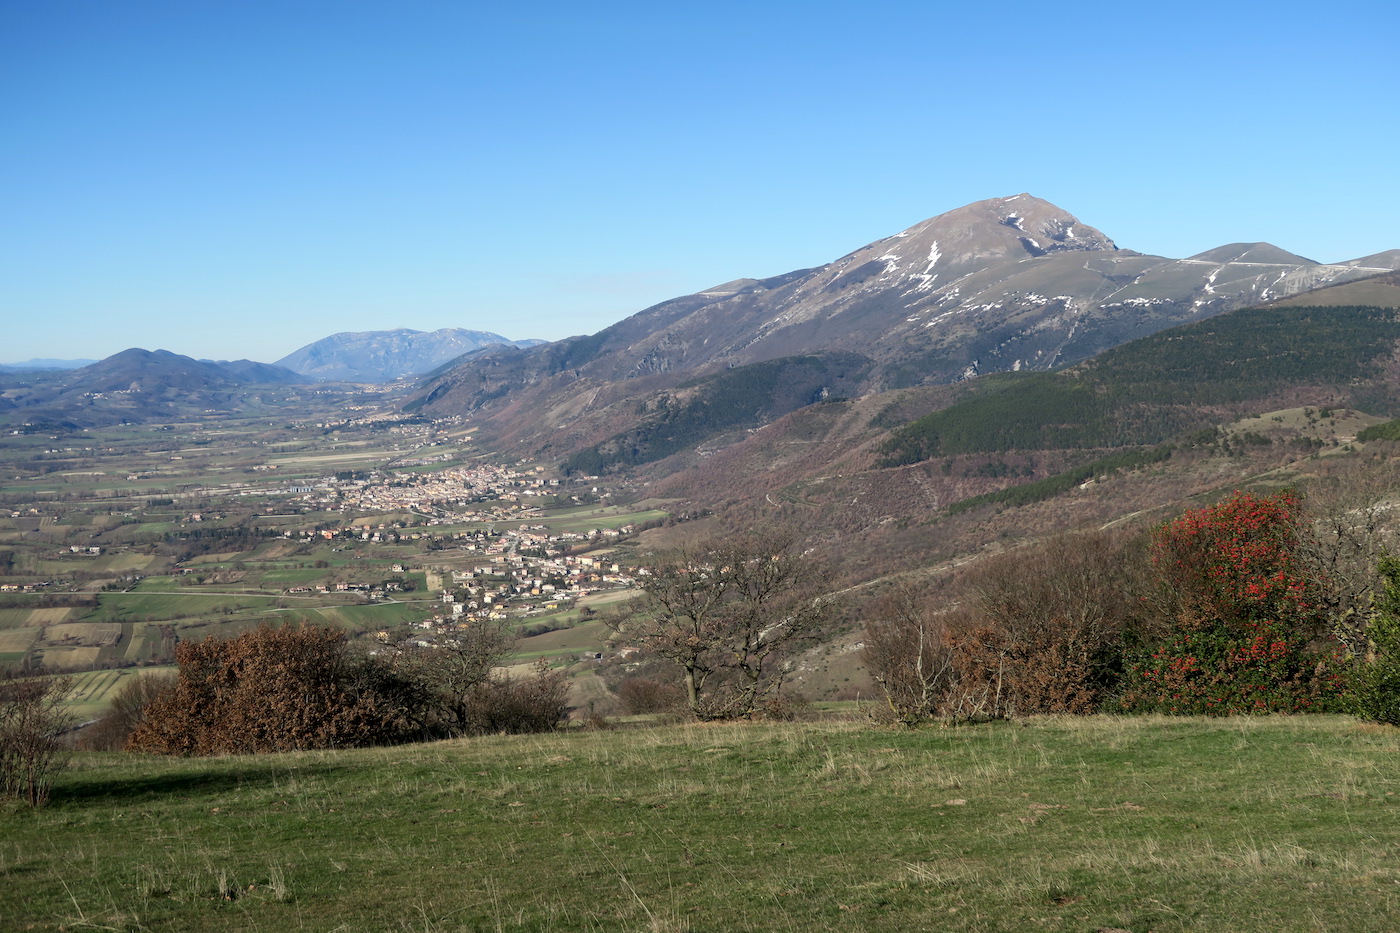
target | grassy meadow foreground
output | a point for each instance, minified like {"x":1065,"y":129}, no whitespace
{"x":1143,"y":824}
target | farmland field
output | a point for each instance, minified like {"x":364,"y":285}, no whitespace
{"x":14,"y":618}
{"x":100,"y":634}
{"x":92,"y":692}
{"x":51,"y":616}
{"x":590,"y":636}
{"x":175,"y":606}
{"x":63,"y":658}
{"x":17,"y":640}
{"x":361,"y":618}
{"x":116,"y":563}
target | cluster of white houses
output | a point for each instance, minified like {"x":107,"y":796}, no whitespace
{"x":441,"y":495}
{"x":515,"y":584}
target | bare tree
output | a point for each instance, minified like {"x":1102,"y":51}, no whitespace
{"x":726,"y":612}
{"x":32,"y":724}
{"x":909,"y":654}
{"x":1350,"y":523}
{"x":454,"y":669}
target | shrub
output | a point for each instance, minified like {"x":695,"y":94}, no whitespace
{"x":642,"y":695}
{"x":302,"y":687}
{"x":1213,"y":672}
{"x":1037,"y":630}
{"x":534,"y":703}
{"x":787,"y":707}
{"x":1235,"y":563}
{"x":275,"y":689}
{"x":32,"y":724}
{"x":909,"y":656}
{"x":1043,"y":629}
{"x":1240,"y":624}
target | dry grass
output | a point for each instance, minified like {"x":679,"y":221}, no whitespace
{"x":1052,"y":824}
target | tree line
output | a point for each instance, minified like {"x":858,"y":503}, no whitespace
{"x":1255,"y":604}
{"x":1258,"y":603}
{"x":742,"y":397}
{"x":1152,"y":389}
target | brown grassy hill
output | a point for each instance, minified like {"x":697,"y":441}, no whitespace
{"x":1381,"y":291}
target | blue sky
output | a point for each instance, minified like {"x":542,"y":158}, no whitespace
{"x":237,"y":179}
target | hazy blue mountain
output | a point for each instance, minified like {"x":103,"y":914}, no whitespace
{"x":139,"y":385}
{"x":43,"y":364}
{"x":261,"y":373}
{"x":158,"y":370}
{"x":386,"y":355}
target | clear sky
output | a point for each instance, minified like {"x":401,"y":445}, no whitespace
{"x":237,"y":178}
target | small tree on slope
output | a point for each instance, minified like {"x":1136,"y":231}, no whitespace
{"x":726,"y":613}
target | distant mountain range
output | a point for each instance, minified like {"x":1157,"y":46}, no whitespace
{"x":1007,"y":284}
{"x":137,"y":386}
{"x":159,"y":371}
{"x":367,"y":356}
{"x":1011,"y":284}
{"x":997,"y":373}
{"x":42,"y":365}
{"x":386,"y":355}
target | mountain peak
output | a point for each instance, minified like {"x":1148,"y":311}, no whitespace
{"x":934,"y":252}
{"x":1390,"y":259}
{"x":137,"y":353}
{"x":1022,"y":222}
{"x":1263,"y":253}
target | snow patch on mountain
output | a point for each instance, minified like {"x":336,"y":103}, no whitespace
{"x":1136,"y":303}
{"x":1209,"y":285}
{"x":933,"y":256}
{"x":943,"y":317}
